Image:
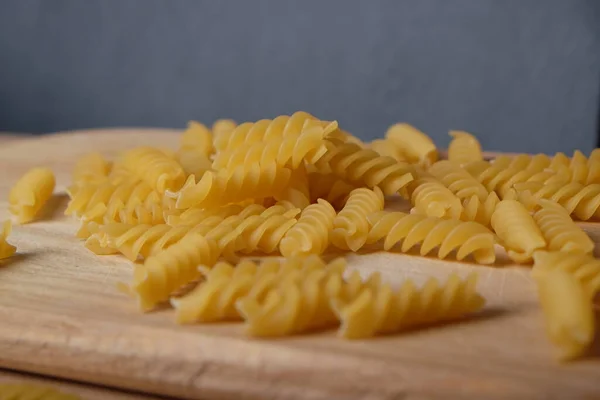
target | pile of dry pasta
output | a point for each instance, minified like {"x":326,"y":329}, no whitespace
{"x":305,"y":189}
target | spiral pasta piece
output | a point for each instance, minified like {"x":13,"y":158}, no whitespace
{"x":447,"y":235}
{"x":91,"y":168}
{"x":481,"y":212}
{"x":6,"y":249}
{"x":26,"y":391}
{"x":387,"y":148}
{"x":433,"y":199}
{"x":215,"y":298}
{"x":382,"y":310}
{"x":583,"y":267}
{"x":581,"y":201}
{"x":559,"y":230}
{"x":287,"y":151}
{"x":329,"y":187}
{"x":223,"y":127}
{"x":414,"y":144}
{"x":297,"y":193}
{"x":364,"y":167}
{"x":30,"y":194}
{"x":311,"y":234}
{"x":198,"y":138}
{"x":501,"y":179}
{"x":169,"y":270}
{"x":158,"y":170}
{"x":593,"y":166}
{"x":193,"y":162}
{"x":458,"y":180}
{"x":245,"y":182}
{"x":351,"y":225}
{"x":194,"y":216}
{"x":568,"y":313}
{"x":294,"y":306}
{"x":517,"y":230}
{"x":464,"y":148}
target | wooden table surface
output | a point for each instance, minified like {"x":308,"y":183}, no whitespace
{"x":62,"y":316}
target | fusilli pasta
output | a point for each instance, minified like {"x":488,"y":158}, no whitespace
{"x":311,"y":234}
{"x":329,"y":187}
{"x":584,"y":267}
{"x":91,"y":168}
{"x":197,"y":138}
{"x":476,"y":210}
{"x":559,"y":230}
{"x":433,"y":199}
{"x":158,"y":170}
{"x":414,"y":144}
{"x":31,"y":193}
{"x":464,"y":148}
{"x":458,"y":180}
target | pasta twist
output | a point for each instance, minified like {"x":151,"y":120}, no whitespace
{"x":91,"y":168}
{"x":568,"y":313}
{"x":294,"y":306}
{"x":171,"y":269}
{"x":501,"y":179}
{"x":559,"y":230}
{"x":214,"y":299}
{"x":517,"y":230}
{"x":433,"y":199}
{"x":193,"y":162}
{"x":387,"y":148}
{"x":414,"y":144}
{"x":310,"y":235}
{"x":447,"y":235}
{"x":464,"y":148}
{"x":351,"y":225}
{"x":6,"y":249}
{"x":158,"y":170}
{"x":197,"y":138}
{"x":266,"y":130}
{"x":581,"y":201}
{"x":481,"y":212}
{"x":195,"y":216}
{"x":287,"y":151}
{"x":458,"y":180}
{"x":583,"y":267}
{"x":297,"y":192}
{"x":25,"y":391}
{"x":382,"y":310}
{"x":30,"y":194}
{"x":593,"y":165}
{"x":245,"y":182}
{"x":329,"y":187}
{"x":366,"y":167}
{"x":223,"y":127}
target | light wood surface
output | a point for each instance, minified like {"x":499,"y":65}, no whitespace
{"x":61,"y":315}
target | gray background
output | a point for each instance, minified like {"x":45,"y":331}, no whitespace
{"x":524,"y":75}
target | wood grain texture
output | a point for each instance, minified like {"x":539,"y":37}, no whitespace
{"x":62,"y":316}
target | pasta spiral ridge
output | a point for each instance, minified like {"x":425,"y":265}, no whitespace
{"x":364,"y":166}
{"x":329,"y":187}
{"x":169,"y":270}
{"x":195,"y":216}
{"x":476,"y":210}
{"x":30,"y":194}
{"x":414,"y":144}
{"x":158,"y":170}
{"x":197,"y":138}
{"x":245,"y":182}
{"x":433,"y":199}
{"x":6,"y":249}
{"x":91,"y":168}
{"x":351,"y":225}
{"x":583,"y":267}
{"x":297,"y":192}
{"x":559,"y":230}
{"x":447,"y":235}
{"x":464,"y":148}
{"x":387,"y":148}
{"x":458,"y":180}
{"x":517,"y":230}
{"x":382,"y":310}
{"x":311,"y":234}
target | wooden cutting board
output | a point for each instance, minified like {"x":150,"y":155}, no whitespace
{"x":61,"y":315}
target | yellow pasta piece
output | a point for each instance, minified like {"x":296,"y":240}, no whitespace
{"x":224,"y":284}
{"x":171,"y":269}
{"x":311,"y":234}
{"x":593,"y":166}
{"x":414,"y":144}
{"x":364,"y":167}
{"x":382,"y":310}
{"x":264,"y":130}
{"x":223,"y":127}
{"x":26,"y":391}
{"x":329,"y":187}
{"x":6,"y":249}
{"x":297,"y":192}
{"x":386,"y":147}
{"x":194,"y":216}
{"x":559,"y":230}
{"x":245,"y":182}
{"x":351,"y":226}
{"x":464,"y":148}
{"x":584,"y":267}
{"x":193,"y":162}
{"x":295,"y":306}
{"x":458,"y":180}
{"x":197,"y":137}
{"x":476,"y":210}
{"x":580,"y":201}
{"x":287,"y":151}
{"x":447,"y":235}
{"x":91,"y":168}
{"x":158,"y":170}
{"x":517,"y":230}
{"x":31,"y":193}
{"x":433,"y":199}
{"x":568,"y":313}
